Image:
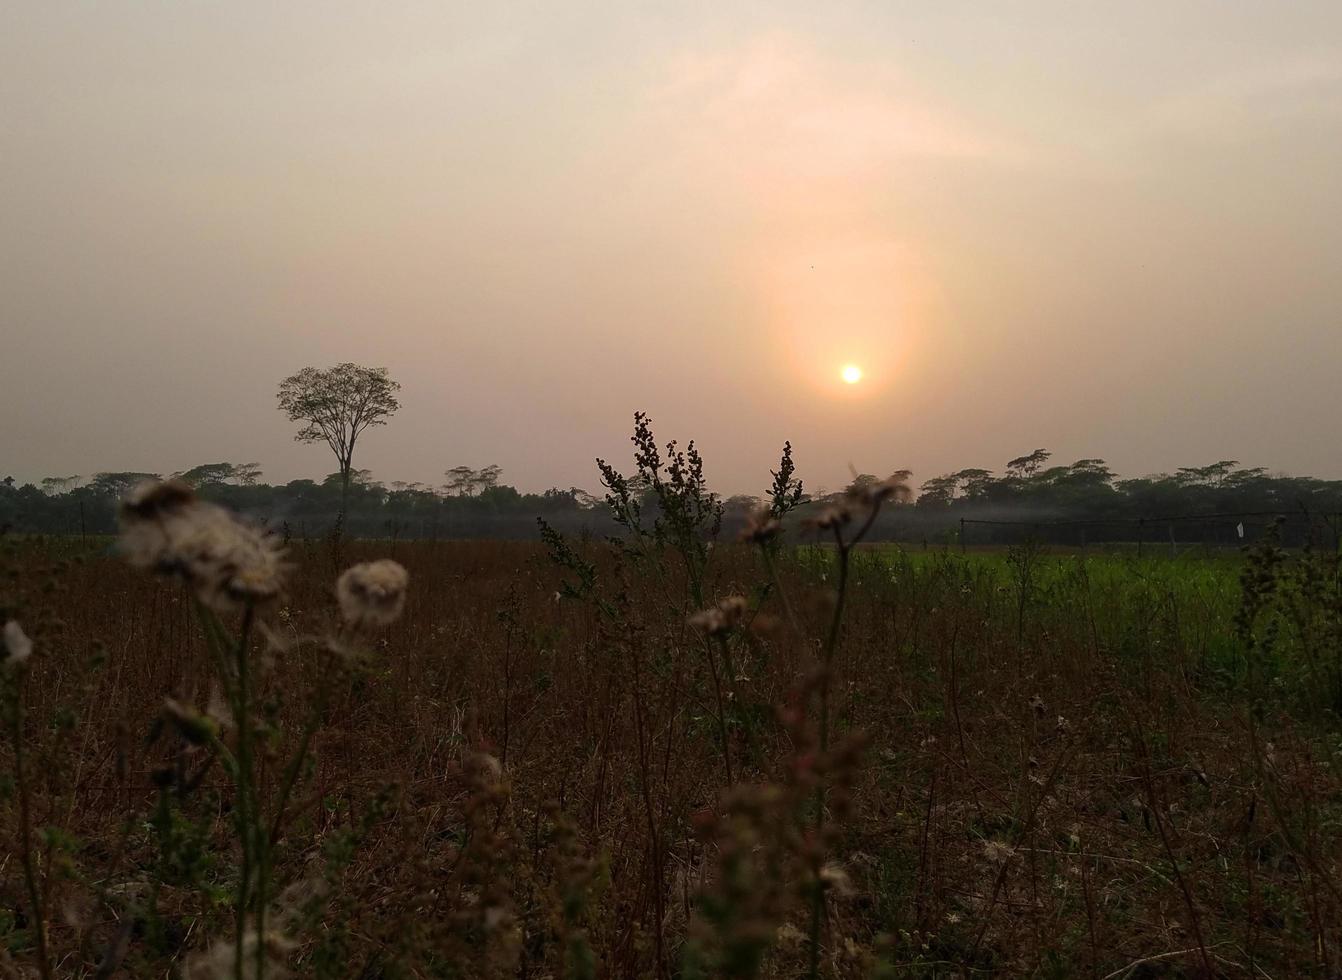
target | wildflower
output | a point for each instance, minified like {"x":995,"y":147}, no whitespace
{"x":228,"y":563}
{"x":372,"y":593}
{"x":18,"y":647}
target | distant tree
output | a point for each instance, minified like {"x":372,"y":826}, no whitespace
{"x":357,"y":478}
{"x":1094,"y":472}
{"x":740,"y":504}
{"x":116,"y":484}
{"x":1214,"y":475}
{"x":975,"y":484}
{"x":581,"y":497}
{"x":1024,"y":467}
{"x":1246,"y":477}
{"x":206,"y":473}
{"x":861,"y":481}
{"x":247,"y":474}
{"x":460,"y":481}
{"x":54,"y":486}
{"x":335,"y":406}
{"x":939,"y":491}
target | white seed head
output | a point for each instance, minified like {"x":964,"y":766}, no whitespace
{"x":226,"y":560}
{"x":836,"y":878}
{"x":18,"y":647}
{"x":220,"y":961}
{"x":726,"y":615}
{"x":372,"y":593}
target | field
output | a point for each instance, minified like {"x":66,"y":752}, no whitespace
{"x":882,"y":763}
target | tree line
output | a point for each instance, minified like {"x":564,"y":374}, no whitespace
{"x":337,"y":405}
{"x":476,"y":502}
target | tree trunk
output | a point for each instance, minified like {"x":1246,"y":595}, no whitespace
{"x":345,"y":466}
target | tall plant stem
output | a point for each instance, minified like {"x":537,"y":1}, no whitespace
{"x":26,"y":843}
{"x":771,"y":567}
{"x":722,"y":716}
{"x":842,"y":558}
{"x":247,"y":817}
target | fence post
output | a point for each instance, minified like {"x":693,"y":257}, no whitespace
{"x":962,"y":535}
{"x":1141,"y":534}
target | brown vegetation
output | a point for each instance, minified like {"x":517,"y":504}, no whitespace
{"x":545,"y":769}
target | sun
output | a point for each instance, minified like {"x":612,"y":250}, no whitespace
{"x":851,"y":374}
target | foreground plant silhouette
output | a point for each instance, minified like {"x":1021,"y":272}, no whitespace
{"x":232,"y":571}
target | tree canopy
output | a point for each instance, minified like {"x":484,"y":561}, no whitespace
{"x":336,"y":405}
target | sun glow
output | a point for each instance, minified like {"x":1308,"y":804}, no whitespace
{"x":851,"y":374}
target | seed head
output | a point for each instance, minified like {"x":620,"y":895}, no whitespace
{"x":872,"y":495}
{"x":221,"y":961}
{"x":761,"y":526}
{"x":835,"y":515}
{"x":372,"y":593}
{"x":156,"y":498}
{"x":228,"y":562}
{"x":723,"y":617}
{"x":18,"y":647}
{"x":834,"y":877}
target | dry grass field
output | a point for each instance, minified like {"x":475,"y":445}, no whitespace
{"x":1021,"y":764}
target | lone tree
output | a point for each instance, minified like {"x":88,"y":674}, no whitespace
{"x":337,"y":404}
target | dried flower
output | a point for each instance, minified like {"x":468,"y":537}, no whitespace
{"x":761,"y":526}
{"x":18,"y":647}
{"x":834,"y":877}
{"x":871,"y":495}
{"x":221,"y":961}
{"x":155,"y":499}
{"x":228,"y":562}
{"x":832,"y":516}
{"x":372,"y":593}
{"x":725,"y":616}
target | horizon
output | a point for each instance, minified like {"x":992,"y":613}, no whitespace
{"x":895,"y":236}
{"x":915,"y":481}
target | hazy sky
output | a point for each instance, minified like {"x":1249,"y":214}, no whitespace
{"x":1105,"y":229}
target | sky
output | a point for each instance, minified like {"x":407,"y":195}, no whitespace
{"x":1108,"y":230}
